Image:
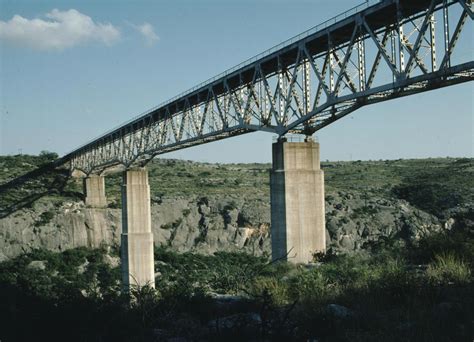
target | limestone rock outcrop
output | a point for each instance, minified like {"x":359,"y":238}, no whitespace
{"x":217,"y":223}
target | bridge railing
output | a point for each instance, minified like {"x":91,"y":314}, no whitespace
{"x":307,"y":33}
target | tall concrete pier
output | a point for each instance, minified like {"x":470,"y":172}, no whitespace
{"x":137,"y":238}
{"x":94,"y":191}
{"x":297,"y":201}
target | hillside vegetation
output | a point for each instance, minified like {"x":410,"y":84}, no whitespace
{"x":400,"y":263}
{"x":434,"y":185}
{"x":392,"y":294}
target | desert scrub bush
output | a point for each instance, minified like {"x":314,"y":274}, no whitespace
{"x":365,"y":211}
{"x":61,"y":279}
{"x":172,"y":225}
{"x":44,"y":218}
{"x":312,"y":287}
{"x":144,"y":299}
{"x":343,"y":220}
{"x":448,"y":268}
{"x":347,"y":270}
{"x":431,"y":197}
{"x":230,"y":206}
{"x":458,"y":242}
{"x":270,"y":290}
{"x":390,"y":283}
{"x":222,"y":272}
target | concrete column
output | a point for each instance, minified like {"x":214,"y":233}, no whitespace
{"x":94,"y":191}
{"x":137,"y":238}
{"x":297,"y":201}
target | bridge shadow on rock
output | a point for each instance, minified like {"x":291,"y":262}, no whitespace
{"x":25,"y":190}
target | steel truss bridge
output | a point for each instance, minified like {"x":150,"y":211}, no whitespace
{"x":375,"y":52}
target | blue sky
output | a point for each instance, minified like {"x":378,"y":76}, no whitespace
{"x":116,"y":59}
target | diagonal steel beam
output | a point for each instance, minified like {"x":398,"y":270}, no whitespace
{"x":454,"y":39}
{"x":381,"y":49}
{"x":421,"y":35}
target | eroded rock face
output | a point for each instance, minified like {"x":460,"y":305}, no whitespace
{"x":210,"y":225}
{"x":69,"y":226}
{"x":207,"y":225}
{"x":353,"y":222}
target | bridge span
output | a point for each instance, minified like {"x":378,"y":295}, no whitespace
{"x":378,"y":51}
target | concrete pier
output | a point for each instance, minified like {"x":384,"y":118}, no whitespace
{"x":94,"y":191}
{"x":137,"y":238}
{"x":297,"y":201}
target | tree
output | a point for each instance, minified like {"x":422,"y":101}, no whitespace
{"x":47,"y":155}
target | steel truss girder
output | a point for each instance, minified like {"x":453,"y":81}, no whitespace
{"x":274,"y":94}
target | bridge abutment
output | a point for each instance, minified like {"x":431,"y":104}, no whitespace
{"x":94,"y":191}
{"x":137,"y":239}
{"x":297,"y":201}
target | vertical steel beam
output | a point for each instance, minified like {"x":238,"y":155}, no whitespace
{"x":446,"y":33}
{"x":433,"y":42}
{"x":281,"y":93}
{"x":393,"y":46}
{"x":454,"y":39}
{"x":331,"y":66}
{"x":401,"y":43}
{"x":306,"y":86}
{"x":361,"y":62}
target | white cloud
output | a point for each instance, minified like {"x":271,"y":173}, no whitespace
{"x":61,"y":30}
{"x":148,"y":32}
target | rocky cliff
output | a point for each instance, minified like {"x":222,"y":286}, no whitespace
{"x":213,"y":224}
{"x":360,"y":212}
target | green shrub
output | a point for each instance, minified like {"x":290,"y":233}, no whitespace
{"x":343,"y":220}
{"x":390,"y":283}
{"x":44,"y":219}
{"x":459,"y":242}
{"x":448,"y":268}
{"x":270,"y":290}
{"x":222,"y":272}
{"x":431,"y":197}
{"x":347,"y":270}
{"x":230,"y":206}
{"x":48,"y":156}
{"x":364,"y":212}
{"x":172,"y":225}
{"x":312,"y":287}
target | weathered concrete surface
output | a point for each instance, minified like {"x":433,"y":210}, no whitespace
{"x":297,"y":201}
{"x":94,"y":191}
{"x":137,"y":238}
